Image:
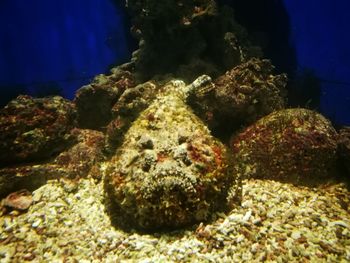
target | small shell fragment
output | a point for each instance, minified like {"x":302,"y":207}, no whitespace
{"x":20,"y":200}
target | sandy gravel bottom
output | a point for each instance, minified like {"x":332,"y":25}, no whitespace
{"x":276,"y":223}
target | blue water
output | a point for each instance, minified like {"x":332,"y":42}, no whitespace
{"x":59,"y":43}
{"x":320,"y":35}
{"x":63,"y":44}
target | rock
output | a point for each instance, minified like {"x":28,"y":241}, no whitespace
{"x":344,"y":147}
{"x":79,"y":160}
{"x":34,"y":128}
{"x":27,"y":176}
{"x":240,"y":96}
{"x":186,"y":39}
{"x":20,"y":200}
{"x":130,"y":104}
{"x":95,"y":101}
{"x":293,"y":145}
{"x":179,"y":180}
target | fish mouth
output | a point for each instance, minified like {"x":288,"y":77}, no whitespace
{"x":170,"y":182}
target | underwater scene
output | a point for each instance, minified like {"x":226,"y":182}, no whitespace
{"x":174,"y":131}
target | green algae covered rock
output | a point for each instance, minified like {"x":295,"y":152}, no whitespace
{"x":170,"y":172}
{"x":293,"y":145}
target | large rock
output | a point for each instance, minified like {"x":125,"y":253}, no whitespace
{"x":80,"y":160}
{"x":344,"y":147}
{"x":95,"y":101}
{"x":170,"y":172}
{"x":81,"y":157}
{"x":186,"y":39}
{"x":240,"y":96}
{"x":293,"y":145}
{"x":34,"y":129}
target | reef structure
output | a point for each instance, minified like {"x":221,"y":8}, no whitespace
{"x":297,"y":146}
{"x":186,"y":39}
{"x":32,"y":129}
{"x":170,"y":171}
{"x":241,"y":96}
{"x":344,"y":148}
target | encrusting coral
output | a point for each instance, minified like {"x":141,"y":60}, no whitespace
{"x":33,"y":129}
{"x":186,"y":39}
{"x":240,"y":96}
{"x":81,"y":159}
{"x":293,"y":145}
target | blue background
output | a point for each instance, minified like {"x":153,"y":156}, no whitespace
{"x":63,"y":44}
{"x":320,"y":34}
{"x":58,"y":43}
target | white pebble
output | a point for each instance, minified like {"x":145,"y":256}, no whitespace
{"x":37,"y":223}
{"x":339,"y":223}
{"x":247,"y":216}
{"x":240,"y":238}
{"x":296,"y":235}
{"x":68,"y":223}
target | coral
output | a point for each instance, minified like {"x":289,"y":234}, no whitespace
{"x":240,"y":96}
{"x":95,"y":101}
{"x":186,"y":39}
{"x":169,"y":171}
{"x":34,"y":129}
{"x":293,"y":145}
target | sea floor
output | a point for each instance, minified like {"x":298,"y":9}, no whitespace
{"x":276,"y":223}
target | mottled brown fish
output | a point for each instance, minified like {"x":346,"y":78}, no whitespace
{"x":170,"y":171}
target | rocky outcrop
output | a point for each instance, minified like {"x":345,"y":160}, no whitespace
{"x":344,"y":148}
{"x":293,"y":145}
{"x":240,"y":96}
{"x":186,"y":39}
{"x":33,"y":129}
{"x":95,"y":101}
{"x":80,"y":160}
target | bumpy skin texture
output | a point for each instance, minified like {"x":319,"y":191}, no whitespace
{"x":34,"y":129}
{"x":240,"y":96}
{"x":130,"y":104}
{"x":170,"y":172}
{"x":293,"y":145}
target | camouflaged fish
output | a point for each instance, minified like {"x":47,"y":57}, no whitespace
{"x":170,"y":171}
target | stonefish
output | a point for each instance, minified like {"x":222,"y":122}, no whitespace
{"x":170,"y":171}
